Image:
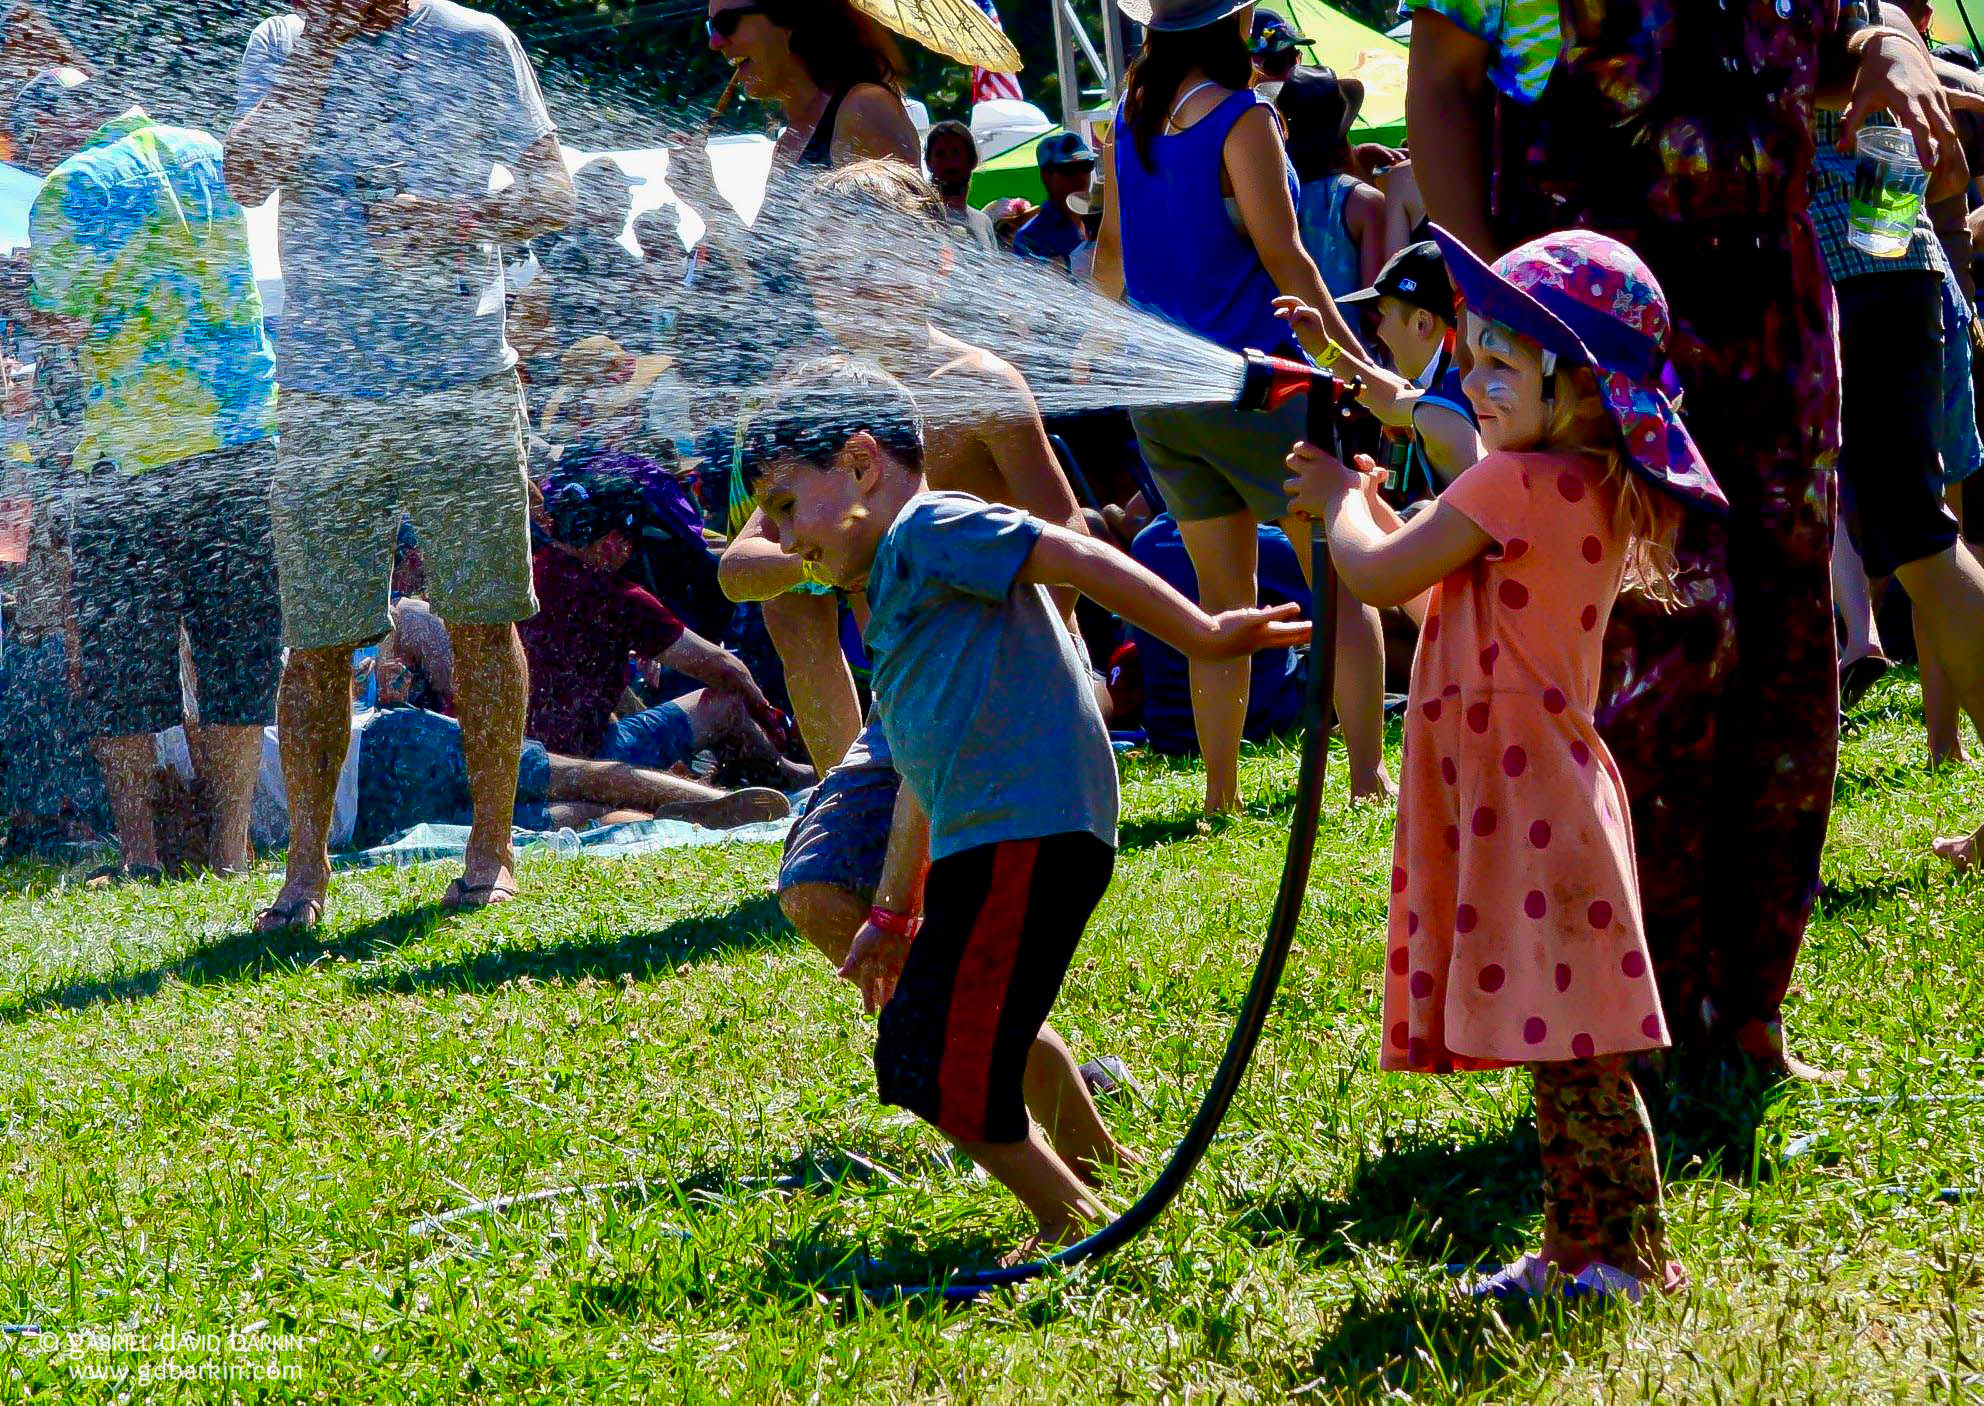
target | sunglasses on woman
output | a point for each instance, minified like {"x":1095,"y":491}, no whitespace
{"x":723,"y":24}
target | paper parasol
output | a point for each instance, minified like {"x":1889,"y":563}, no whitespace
{"x":957,"y":29}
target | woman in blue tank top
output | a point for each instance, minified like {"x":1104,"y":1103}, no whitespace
{"x":1199,"y":228}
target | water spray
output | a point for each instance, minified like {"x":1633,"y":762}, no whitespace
{"x":1270,"y":383}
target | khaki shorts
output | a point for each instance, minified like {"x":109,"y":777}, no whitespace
{"x":1213,"y":461}
{"x":454,"y":460}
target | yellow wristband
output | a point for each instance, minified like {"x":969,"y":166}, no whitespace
{"x":1331,"y":355}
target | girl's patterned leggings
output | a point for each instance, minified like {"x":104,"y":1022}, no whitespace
{"x":1601,"y":1181}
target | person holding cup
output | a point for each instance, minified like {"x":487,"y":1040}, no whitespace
{"x":1901,"y":312}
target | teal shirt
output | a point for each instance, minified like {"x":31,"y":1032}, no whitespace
{"x":137,"y":236}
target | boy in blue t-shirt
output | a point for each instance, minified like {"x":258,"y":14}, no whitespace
{"x":991,"y":716}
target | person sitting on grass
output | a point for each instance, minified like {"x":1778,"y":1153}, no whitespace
{"x":591,"y":620}
{"x":404,"y":767}
{"x":990,"y":715}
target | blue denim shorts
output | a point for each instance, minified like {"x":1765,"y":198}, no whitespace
{"x":657,"y":737}
{"x":843,"y":837}
{"x":1962,"y":450}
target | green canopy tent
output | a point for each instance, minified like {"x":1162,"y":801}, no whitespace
{"x":1353,"y":50}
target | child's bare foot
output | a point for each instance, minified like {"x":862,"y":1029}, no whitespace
{"x":1042,"y":1243}
{"x":1114,"y":1158}
{"x":1378,"y":786}
{"x":1959,"y":850}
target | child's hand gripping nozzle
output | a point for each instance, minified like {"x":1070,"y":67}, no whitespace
{"x":1270,"y":383}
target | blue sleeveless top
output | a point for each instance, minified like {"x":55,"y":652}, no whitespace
{"x":1183,"y":258}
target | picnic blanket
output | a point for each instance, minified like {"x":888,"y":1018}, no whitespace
{"x":424,"y":844}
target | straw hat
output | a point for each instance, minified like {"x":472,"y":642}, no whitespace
{"x":957,"y":29}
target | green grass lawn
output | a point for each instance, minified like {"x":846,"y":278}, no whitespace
{"x":211,"y":1133}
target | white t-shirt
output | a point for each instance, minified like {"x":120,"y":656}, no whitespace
{"x":268,"y":823}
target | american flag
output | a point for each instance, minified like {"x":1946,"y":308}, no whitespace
{"x":986,"y":86}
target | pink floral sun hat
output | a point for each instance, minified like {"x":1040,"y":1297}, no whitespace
{"x":1589,"y":298}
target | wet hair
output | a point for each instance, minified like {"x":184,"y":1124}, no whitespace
{"x":823,"y":403}
{"x":879,"y":185}
{"x":950,"y":127}
{"x":875,"y":210}
{"x":1151,"y":86}
{"x":839,"y":46}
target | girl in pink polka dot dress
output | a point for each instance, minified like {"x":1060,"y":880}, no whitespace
{"x":1515,"y":935}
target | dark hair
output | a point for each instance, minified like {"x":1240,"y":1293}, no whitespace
{"x":822,"y":404}
{"x":839,"y":45}
{"x":950,"y":127}
{"x":1313,"y":103}
{"x":584,"y":507}
{"x":1151,"y":85}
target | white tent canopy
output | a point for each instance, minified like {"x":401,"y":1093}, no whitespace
{"x":742,"y":166}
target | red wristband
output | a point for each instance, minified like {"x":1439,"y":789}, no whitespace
{"x":894,"y":923}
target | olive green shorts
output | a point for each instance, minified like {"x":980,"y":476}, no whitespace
{"x":453,"y":460}
{"x":1214,"y":461}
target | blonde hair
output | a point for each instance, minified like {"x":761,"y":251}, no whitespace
{"x":1578,"y":422}
{"x":882,"y":185}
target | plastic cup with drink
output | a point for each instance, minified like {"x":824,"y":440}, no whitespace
{"x":1888,"y":184}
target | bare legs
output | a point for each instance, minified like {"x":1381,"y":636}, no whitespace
{"x":1360,"y":677}
{"x":491,"y":693}
{"x":313,"y":726}
{"x":313,"y":721}
{"x":226,"y":761}
{"x":828,"y":916}
{"x":127,"y":764}
{"x":1225,"y":558}
{"x":723,"y":723}
{"x":1947,"y":591}
{"x":1224,"y":552}
{"x":583,"y":789}
{"x":806,"y":632}
{"x":1854,"y":599}
{"x":1044,"y":1185}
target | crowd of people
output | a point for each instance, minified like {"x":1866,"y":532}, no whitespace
{"x":524,"y":514}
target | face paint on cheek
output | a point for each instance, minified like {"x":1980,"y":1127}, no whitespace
{"x":1498,"y":390}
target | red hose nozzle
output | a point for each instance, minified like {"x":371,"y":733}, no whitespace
{"x":1272,"y":381}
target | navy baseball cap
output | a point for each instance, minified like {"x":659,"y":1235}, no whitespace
{"x":1063,"y":149}
{"x":1275,"y":35}
{"x":1417,"y":276}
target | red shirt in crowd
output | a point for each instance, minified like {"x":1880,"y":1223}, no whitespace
{"x":588,"y":622}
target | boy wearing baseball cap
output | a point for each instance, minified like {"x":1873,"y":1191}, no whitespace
{"x":1412,"y":304}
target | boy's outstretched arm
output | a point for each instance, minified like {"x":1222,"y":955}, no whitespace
{"x":1382,"y":564}
{"x":1119,"y":585}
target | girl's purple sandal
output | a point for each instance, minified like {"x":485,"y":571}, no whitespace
{"x":1533,"y":1277}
